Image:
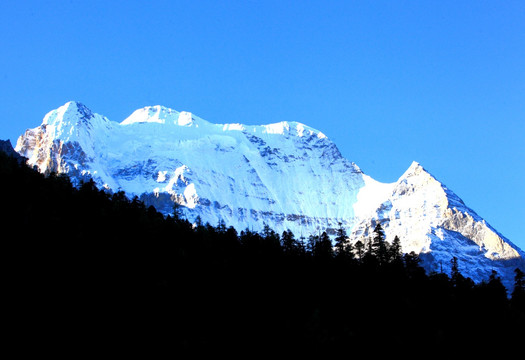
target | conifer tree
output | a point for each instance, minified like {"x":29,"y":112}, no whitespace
{"x":379,"y":245}
{"x":455,"y":275}
{"x":288,"y":242}
{"x":177,"y":211}
{"x":518,"y":293}
{"x":270,"y":236}
{"x":221,"y":226}
{"x":301,"y":245}
{"x":359,"y":247}
{"x":323,"y":247}
{"x":498,"y":292}
{"x":412,"y":261}
{"x":311,"y":243}
{"x":341,"y":242}
{"x":395,"y":251}
{"x":349,"y":250}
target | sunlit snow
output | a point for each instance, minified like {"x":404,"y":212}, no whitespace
{"x":284,"y":174}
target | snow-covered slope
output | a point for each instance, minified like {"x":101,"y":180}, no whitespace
{"x":434,"y":222}
{"x":285,"y":174}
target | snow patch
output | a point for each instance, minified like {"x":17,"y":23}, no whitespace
{"x":371,"y":196}
{"x":185,"y":119}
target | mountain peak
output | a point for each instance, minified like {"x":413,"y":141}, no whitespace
{"x":414,"y":170}
{"x":161,"y":115}
{"x":71,"y":111}
{"x":78,"y":106}
{"x":417,"y":179}
{"x":417,"y":174}
{"x":292,"y":127}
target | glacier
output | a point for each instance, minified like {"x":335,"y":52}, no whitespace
{"x":286,"y":175}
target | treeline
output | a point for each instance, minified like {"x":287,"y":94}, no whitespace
{"x":87,"y":268}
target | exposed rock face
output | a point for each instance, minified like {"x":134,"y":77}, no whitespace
{"x":286,"y":175}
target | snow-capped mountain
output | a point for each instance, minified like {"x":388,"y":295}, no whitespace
{"x":286,"y":175}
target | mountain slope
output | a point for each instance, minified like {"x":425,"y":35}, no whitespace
{"x":281,"y":174}
{"x":434,"y":222}
{"x":286,"y":175}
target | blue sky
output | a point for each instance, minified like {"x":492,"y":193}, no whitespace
{"x":439,"y":82}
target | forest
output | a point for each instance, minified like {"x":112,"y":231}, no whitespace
{"x":85,"y":269}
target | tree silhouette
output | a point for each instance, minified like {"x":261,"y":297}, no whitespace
{"x":518,"y":293}
{"x":323,"y":247}
{"x":359,"y":248}
{"x":177,"y":211}
{"x":395,"y":252}
{"x":288,"y":242}
{"x":412,"y":263}
{"x":379,"y":246}
{"x":455,"y":274}
{"x":341,"y":242}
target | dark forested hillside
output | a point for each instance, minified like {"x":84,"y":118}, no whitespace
{"x":85,"y":269}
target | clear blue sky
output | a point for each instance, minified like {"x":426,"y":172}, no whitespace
{"x":439,"y":82}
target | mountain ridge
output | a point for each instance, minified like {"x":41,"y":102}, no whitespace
{"x":285,"y":174}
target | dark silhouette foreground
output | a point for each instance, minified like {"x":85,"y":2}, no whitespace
{"x":86,"y":270}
